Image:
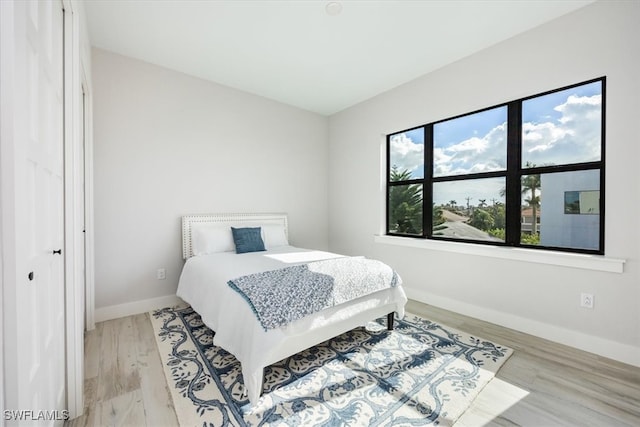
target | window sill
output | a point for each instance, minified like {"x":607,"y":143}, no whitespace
{"x":564,"y":259}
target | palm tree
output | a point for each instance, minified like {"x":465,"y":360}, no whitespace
{"x":531,"y":183}
{"x":405,"y":204}
{"x":397,"y":175}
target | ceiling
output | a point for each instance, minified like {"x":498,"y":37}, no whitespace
{"x":304,"y":54}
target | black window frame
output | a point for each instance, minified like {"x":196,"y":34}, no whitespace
{"x":512,"y":174}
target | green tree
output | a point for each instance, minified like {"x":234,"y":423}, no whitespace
{"x":497,"y":213}
{"x":481,"y":219}
{"x":405,"y":204}
{"x":438,"y":217}
{"x":497,"y":232}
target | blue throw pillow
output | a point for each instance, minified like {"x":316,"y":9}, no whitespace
{"x":247,"y":239}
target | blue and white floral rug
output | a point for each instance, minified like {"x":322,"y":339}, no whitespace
{"x":422,"y":373}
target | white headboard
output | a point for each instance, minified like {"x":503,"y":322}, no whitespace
{"x":232,"y":220}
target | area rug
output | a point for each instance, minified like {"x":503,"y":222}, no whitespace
{"x":421,"y":373}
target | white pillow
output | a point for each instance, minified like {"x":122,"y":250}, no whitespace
{"x":274,"y":236}
{"x":209,"y":239}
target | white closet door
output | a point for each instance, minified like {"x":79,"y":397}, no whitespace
{"x":39,"y":209}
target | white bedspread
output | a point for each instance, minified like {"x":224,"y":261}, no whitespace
{"x":203,"y":284}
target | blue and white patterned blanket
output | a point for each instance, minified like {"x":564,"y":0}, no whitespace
{"x":279,"y":297}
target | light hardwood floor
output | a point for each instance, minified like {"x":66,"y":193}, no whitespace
{"x":542,"y":383}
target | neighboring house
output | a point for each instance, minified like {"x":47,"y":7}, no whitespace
{"x":571,"y":210}
{"x":527,"y":220}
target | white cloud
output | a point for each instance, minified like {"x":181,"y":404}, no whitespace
{"x":474,"y":155}
{"x":580,"y":107}
{"x":406,"y":154}
{"x":541,"y":137}
{"x":442,"y":162}
{"x":575,"y":137}
{"x":471,"y":145}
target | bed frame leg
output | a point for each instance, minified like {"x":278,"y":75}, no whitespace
{"x":390,"y":321}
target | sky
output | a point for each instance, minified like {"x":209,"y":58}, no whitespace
{"x":487,"y":189}
{"x":471,"y":144}
{"x":558,"y":128}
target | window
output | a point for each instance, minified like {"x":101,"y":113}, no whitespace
{"x":527,"y":173}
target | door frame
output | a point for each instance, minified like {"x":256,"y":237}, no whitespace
{"x":78,"y":206}
{"x":89,"y":235}
{"x":6,"y":52}
{"x":74,"y":324}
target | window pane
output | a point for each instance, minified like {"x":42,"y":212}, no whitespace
{"x":562,"y":127}
{"x":471,"y":144}
{"x":470,"y":209}
{"x":406,"y":155}
{"x":566,"y":206}
{"x":405,"y":209}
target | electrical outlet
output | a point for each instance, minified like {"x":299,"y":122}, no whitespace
{"x":586,"y":300}
{"x":161,"y":274}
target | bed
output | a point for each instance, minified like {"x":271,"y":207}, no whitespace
{"x":211,"y":262}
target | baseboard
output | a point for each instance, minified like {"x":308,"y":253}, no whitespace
{"x":613,"y":350}
{"x":134,"y":307}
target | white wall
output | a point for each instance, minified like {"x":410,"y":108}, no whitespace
{"x":600,"y":39}
{"x":167,"y":144}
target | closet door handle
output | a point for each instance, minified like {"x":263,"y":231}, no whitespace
{"x":30,"y":276}
{"x":59,"y":252}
